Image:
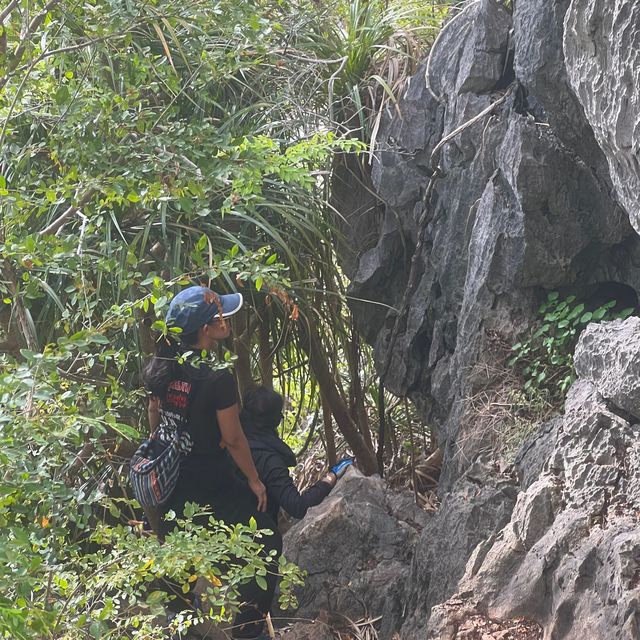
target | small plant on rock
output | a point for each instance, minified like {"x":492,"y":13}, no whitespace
{"x":546,"y":358}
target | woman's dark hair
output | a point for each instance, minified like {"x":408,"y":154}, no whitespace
{"x":262,"y":408}
{"x":163,"y":367}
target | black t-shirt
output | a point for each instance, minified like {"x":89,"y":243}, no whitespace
{"x":192,"y":400}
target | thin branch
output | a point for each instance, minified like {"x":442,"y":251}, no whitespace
{"x":58,"y":223}
{"x":332,"y":79}
{"x":74,"y":47}
{"x":11,"y":6}
{"x":466,"y":125}
{"x":24,"y":319}
{"x":22,"y":46}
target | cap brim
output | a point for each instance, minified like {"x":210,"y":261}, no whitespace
{"x":231,"y":303}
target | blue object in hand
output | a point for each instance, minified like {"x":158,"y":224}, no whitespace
{"x":341,"y":467}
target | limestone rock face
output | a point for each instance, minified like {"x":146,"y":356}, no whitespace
{"x":555,"y":546}
{"x":357,"y":547}
{"x":569,"y":558}
{"x":521,"y":203}
{"x":479,"y":504}
{"x":602,"y":51}
{"x":540,"y":193}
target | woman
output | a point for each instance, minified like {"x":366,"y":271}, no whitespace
{"x":260,"y":416}
{"x":204,"y":404}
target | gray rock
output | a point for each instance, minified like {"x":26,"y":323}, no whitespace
{"x":569,"y":558}
{"x":608,"y":355}
{"x":534,"y":454}
{"x":523,"y":205}
{"x":308,"y":631}
{"x":356,"y":547}
{"x":526,"y":200}
{"x":540,"y":67}
{"x":602,"y":52}
{"x":479,"y":505}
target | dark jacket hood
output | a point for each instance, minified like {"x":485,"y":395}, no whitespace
{"x":268,"y":442}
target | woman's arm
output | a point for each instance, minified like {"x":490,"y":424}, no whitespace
{"x":296,"y":504}
{"x":235,"y":441}
{"x":153,"y":412}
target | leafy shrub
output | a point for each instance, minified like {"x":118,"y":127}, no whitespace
{"x":546,"y":358}
{"x":71,"y":563}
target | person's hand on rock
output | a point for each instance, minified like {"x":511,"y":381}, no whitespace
{"x":340,"y":468}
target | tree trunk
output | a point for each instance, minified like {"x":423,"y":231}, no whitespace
{"x":317,"y":358}
{"x":358,"y":410}
{"x":265,"y":355}
{"x":242,"y":349}
{"x":330,"y":440}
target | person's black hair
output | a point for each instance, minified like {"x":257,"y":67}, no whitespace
{"x":163,"y":367}
{"x":262,"y":408}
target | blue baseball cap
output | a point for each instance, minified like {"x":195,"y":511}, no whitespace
{"x":194,"y":307}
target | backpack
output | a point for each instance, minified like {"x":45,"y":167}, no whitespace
{"x":155,"y":466}
{"x":154,"y":469}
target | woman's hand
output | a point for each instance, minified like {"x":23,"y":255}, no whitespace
{"x":260,"y":492}
{"x":330,"y":478}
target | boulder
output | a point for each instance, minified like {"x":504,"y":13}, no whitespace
{"x":608,"y":355}
{"x":356,"y":547}
{"x":569,"y":557}
{"x":479,"y":504}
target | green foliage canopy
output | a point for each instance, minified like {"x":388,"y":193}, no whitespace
{"x":144,"y":145}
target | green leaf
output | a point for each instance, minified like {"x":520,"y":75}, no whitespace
{"x":98,"y":629}
{"x":576,"y":311}
{"x":261,"y":582}
{"x":586,"y":317}
{"x":259,"y":283}
{"x":125,"y":430}
{"x":553,"y":296}
{"x":62,"y":94}
{"x":156,"y":597}
{"x":133,"y":197}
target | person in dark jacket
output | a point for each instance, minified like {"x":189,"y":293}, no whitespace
{"x":260,"y":416}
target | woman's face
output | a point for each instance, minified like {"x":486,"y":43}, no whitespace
{"x":218,"y":329}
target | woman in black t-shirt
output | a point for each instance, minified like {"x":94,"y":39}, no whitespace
{"x":204,"y":403}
